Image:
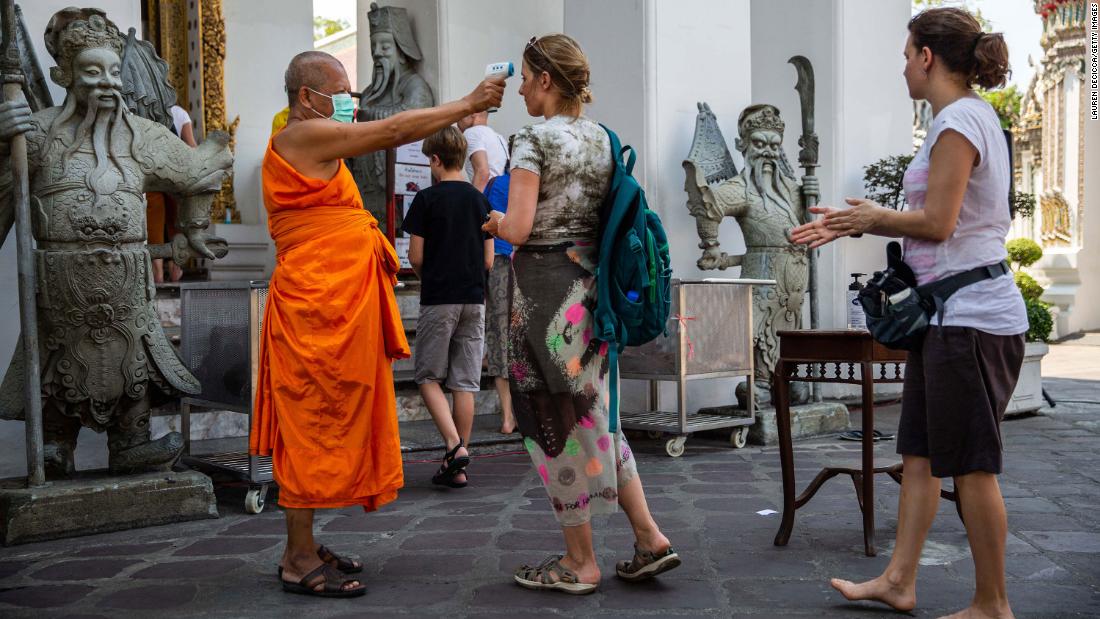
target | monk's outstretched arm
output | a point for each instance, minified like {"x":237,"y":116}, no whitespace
{"x":322,"y":140}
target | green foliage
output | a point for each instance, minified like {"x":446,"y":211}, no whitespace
{"x":323,"y":27}
{"x":1021,"y":204}
{"x":1006,"y":101}
{"x":1023,"y":252}
{"x":883,"y":180}
{"x":1027,"y":285}
{"x":1039,"y":321}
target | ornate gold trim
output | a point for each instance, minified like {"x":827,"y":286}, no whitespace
{"x":167,"y":29}
{"x":213,"y":97}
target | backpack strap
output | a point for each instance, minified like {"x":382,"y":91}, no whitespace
{"x":628,"y":163}
{"x":608,"y":328}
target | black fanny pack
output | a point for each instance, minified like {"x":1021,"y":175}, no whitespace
{"x":899,"y":311}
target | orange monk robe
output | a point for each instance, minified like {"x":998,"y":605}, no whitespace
{"x":325,"y":409}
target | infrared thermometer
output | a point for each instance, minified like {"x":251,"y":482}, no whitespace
{"x":499,"y":69}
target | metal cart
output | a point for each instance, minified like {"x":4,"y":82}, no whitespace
{"x":220,"y":345}
{"x":709,"y":336}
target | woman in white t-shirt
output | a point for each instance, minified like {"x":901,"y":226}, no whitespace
{"x":959,"y":383}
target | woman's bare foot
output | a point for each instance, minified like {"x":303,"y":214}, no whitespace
{"x":898,"y":596}
{"x":976,"y":612}
{"x":507,"y":425}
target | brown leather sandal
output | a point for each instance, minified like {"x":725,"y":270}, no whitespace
{"x":333,"y":579}
{"x":345,"y":565}
{"x":552,"y":575}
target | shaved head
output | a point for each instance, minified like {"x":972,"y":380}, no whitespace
{"x":317,"y":70}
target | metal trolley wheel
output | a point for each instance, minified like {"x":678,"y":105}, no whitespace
{"x":675,"y":446}
{"x":255,"y":499}
{"x":739,"y":437}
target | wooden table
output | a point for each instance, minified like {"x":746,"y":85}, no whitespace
{"x":833,"y":357}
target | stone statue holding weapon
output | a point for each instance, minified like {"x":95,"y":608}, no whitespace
{"x":807,"y":158}
{"x":767,"y":201}
{"x":104,"y":357}
{"x":13,"y":124}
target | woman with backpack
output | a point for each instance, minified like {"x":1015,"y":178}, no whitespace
{"x":558,"y":369}
{"x":959,"y":379}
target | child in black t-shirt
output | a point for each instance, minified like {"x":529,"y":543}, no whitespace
{"x":450,"y":254}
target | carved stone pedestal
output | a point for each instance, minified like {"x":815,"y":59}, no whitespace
{"x":807,"y":420}
{"x":98,"y":503}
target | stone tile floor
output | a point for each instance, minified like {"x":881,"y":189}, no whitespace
{"x":440,"y":553}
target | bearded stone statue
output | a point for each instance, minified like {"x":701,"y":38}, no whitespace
{"x":767,"y":201}
{"x":395,"y":87}
{"x":104,"y":357}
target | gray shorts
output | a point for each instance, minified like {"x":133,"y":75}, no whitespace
{"x":450,"y":343}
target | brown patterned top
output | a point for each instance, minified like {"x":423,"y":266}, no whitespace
{"x":572,"y":157}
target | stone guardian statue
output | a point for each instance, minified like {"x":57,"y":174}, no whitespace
{"x":104,"y":358}
{"x":395,"y":87}
{"x":767,"y":201}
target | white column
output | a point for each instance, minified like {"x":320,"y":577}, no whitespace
{"x":363,"y":60}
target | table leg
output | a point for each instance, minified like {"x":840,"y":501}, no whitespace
{"x":867,"y":380}
{"x":782,"y":398}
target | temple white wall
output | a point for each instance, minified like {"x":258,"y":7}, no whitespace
{"x":259,"y":46}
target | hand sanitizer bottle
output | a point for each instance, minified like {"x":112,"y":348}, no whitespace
{"x":856,"y":318}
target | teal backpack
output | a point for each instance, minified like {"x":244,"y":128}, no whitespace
{"x":634,"y":274}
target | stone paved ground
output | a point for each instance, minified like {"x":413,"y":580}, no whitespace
{"x":442,"y":553}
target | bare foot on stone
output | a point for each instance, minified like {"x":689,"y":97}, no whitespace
{"x":974,"y":612}
{"x":896,"y":596}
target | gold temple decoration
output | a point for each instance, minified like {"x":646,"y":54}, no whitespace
{"x":213,"y":100}
{"x":1056,"y":222}
{"x":168,"y":25}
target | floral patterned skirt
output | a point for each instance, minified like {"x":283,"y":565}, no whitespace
{"x":558,"y":379}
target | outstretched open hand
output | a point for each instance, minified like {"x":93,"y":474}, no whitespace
{"x":835,"y":223}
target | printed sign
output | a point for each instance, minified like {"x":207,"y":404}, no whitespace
{"x":409,"y":178}
{"x":411,"y":153}
{"x":401,"y":244}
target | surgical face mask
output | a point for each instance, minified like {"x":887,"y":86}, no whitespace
{"x":343,"y":107}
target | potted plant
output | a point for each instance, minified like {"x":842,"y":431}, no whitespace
{"x":1028,"y":396}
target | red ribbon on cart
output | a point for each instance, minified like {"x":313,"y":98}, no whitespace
{"x":683,"y":325}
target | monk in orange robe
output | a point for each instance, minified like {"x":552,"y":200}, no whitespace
{"x":325,"y":408}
